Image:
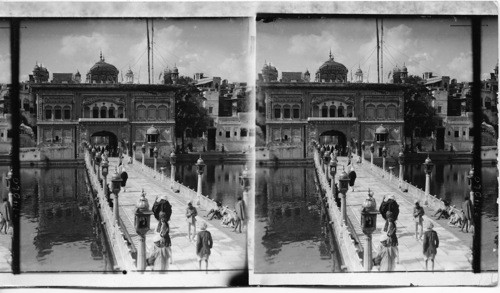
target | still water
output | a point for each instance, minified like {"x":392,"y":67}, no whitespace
{"x":219,"y":182}
{"x":290,"y":229}
{"x":60,"y":228}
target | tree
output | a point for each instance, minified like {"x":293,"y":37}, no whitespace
{"x":189,"y":112}
{"x":418,"y":111}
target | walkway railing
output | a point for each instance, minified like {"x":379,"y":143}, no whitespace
{"x":416,"y":193}
{"x":122,"y":247}
{"x":190,"y":194}
{"x":348,"y":248}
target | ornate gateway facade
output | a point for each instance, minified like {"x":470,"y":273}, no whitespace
{"x":104,"y":113}
{"x":330,"y":111}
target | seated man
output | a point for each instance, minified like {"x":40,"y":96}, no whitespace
{"x":216,"y":213}
{"x":227,"y":219}
{"x":455,"y":219}
{"x":443,"y":213}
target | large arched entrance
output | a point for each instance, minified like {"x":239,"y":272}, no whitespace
{"x":336,"y":138}
{"x":107,"y":140}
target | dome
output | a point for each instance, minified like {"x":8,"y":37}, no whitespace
{"x":78,"y":73}
{"x":130,"y":71}
{"x":332,"y":71}
{"x":152,"y":131}
{"x":381,"y":130}
{"x":396,"y":69}
{"x":358,"y":72}
{"x":307,"y":72}
{"x":176,"y":70}
{"x":404,"y":69}
{"x":102,"y":72}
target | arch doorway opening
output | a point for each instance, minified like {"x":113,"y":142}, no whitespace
{"x":106,"y":140}
{"x":336,"y":139}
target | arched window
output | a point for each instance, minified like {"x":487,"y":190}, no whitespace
{"x":111,"y":112}
{"x":370,"y":111}
{"x":243,"y":132}
{"x":48,"y":113}
{"x":341,"y":111}
{"x":380,"y":112}
{"x":487,"y":103}
{"x":286,"y":112}
{"x":104,"y":112}
{"x":350,"y":111}
{"x":95,"y":112}
{"x":141,"y":112}
{"x":277,"y":111}
{"x":333,"y":111}
{"x":86,"y":112}
{"x":151,"y":112}
{"x":162,"y":113}
{"x":57,"y":113}
{"x":324,"y":111}
{"x":120,"y":112}
{"x":315,"y":112}
{"x":26,"y":104}
{"x":391,"y":112}
{"x":296,"y":111}
{"x":67,"y":112}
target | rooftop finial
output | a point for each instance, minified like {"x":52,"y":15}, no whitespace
{"x":331,"y":57}
{"x":100,"y":57}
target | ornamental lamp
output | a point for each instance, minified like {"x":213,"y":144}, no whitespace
{"x":322,"y":151}
{"x":369,"y":214}
{"x":8,"y":179}
{"x":333,"y":167}
{"x":143,"y":149}
{"x":134,"y":146}
{"x":326,"y":157}
{"x":372,"y":148}
{"x":384,"y":152}
{"x":116,"y":182}
{"x":200,"y":166}
{"x":105,"y":168}
{"x":470,"y":176}
{"x":173,"y":158}
{"x":155,"y":152}
{"x":363,"y":145}
{"x":401,"y":158}
{"x":142,"y":215}
{"x":428,"y":165}
{"x":343,"y":182}
{"x":245,"y":178}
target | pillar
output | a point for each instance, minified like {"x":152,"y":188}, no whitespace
{"x":401,"y":166}
{"x":155,"y":163}
{"x":427,"y":186}
{"x":172,"y":175}
{"x":141,"y":254}
{"x":143,"y":161}
{"x":371,"y":159}
{"x":343,"y":207}
{"x":367,"y":259}
{"x":198,"y":190}
{"x":383,"y":163}
{"x":115,"y":209}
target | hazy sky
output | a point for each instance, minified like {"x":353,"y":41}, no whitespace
{"x":424,"y":44}
{"x":214,"y":47}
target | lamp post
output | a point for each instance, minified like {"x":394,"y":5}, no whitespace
{"x":428,"y":164}
{"x":155,"y":155}
{"x":470,"y":178}
{"x":368,"y":225}
{"x":245,"y":183}
{"x":173,"y":159}
{"x":143,"y":149}
{"x":333,"y":171}
{"x":321,"y":153}
{"x":390,"y":172}
{"x":344,"y":185}
{"x":200,"y":166}
{"x":401,"y":158}
{"x":384,"y":155}
{"x":92,"y":157}
{"x":134,"y":146}
{"x":116,"y":181}
{"x":105,"y":171}
{"x":362,"y":152}
{"x":326,"y":160}
{"x":162,"y":172}
{"x":372,"y":149}
{"x":141,"y":223}
{"x":98,"y":162}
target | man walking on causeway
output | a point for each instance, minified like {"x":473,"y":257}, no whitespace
{"x":431,"y":243}
{"x":203,"y":245}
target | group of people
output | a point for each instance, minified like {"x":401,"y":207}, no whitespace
{"x":161,"y":255}
{"x":463,"y":219}
{"x":227,"y":218}
{"x":387,"y":251}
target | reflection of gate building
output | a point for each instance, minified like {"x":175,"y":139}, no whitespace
{"x":103,"y":112}
{"x":329,"y":110}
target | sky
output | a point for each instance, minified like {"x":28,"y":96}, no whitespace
{"x":216,"y":47}
{"x":422,"y":44}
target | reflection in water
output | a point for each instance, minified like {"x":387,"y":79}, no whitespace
{"x":60,"y":227}
{"x":220,"y":181}
{"x":290,"y":232}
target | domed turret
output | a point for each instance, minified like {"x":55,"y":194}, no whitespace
{"x":175,"y":74}
{"x":129,"y":76}
{"x":40,"y":73}
{"x":307,"y":76}
{"x":331,"y":71}
{"x":78,"y":77}
{"x":102,"y":72}
{"x":359,"y":75}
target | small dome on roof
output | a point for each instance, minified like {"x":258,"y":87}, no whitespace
{"x":381,"y":130}
{"x":176,"y":70}
{"x":152,"y":131}
{"x":404,"y":69}
{"x":359,"y":71}
{"x":396,"y":69}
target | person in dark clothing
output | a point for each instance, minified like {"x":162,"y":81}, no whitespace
{"x":430,"y":245}
{"x":352,"y":177}
{"x":467,"y":218}
{"x":124,"y":177}
{"x":203,"y":245}
{"x":163,"y":229}
{"x":5,"y":216}
{"x":391,"y":233}
{"x":391,"y":205}
{"x":240,"y":214}
{"x":162,"y":205}
{"x":108,"y":196}
{"x":216,"y":213}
